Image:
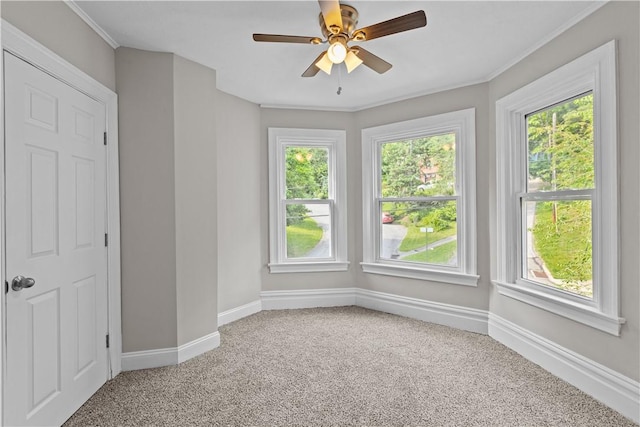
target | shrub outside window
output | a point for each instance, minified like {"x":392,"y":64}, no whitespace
{"x":419,"y":198}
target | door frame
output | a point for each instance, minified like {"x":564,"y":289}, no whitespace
{"x":21,"y":45}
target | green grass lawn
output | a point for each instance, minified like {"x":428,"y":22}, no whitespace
{"x":302,"y":237}
{"x":567,"y":252}
{"x":415,"y":238}
{"x":438,"y":255}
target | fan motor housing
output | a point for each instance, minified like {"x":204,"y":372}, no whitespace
{"x":349,"y":21}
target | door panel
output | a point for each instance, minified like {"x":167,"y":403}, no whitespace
{"x":85,"y":298}
{"x":43,"y":349}
{"x":84,"y":203}
{"x":41,"y":109}
{"x":84,"y":125}
{"x":56,"y":356}
{"x":42,"y":188}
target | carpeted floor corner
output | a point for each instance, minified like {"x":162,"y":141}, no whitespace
{"x":345,"y":366}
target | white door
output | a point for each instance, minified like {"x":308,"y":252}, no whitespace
{"x":56,"y":355}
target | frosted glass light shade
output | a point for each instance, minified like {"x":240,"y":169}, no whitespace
{"x":325,"y":64}
{"x":352,"y":61}
{"x":337,"y":52}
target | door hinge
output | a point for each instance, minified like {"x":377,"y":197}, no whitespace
{"x":105,"y":138}
{"x":107,"y":340}
{"x":106,"y":239}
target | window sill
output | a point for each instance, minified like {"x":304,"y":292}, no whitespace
{"x":449,"y":277}
{"x":581,"y":313}
{"x":308,"y":267}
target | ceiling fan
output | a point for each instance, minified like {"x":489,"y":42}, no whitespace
{"x":338,"y":25}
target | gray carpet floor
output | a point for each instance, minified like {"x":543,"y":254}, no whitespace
{"x":345,"y":366}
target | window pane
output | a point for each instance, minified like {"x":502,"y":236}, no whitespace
{"x":308,"y":230}
{"x":418,"y":167}
{"x":307,"y":173}
{"x":560,"y":146}
{"x":558,"y":245}
{"x":422,"y":232}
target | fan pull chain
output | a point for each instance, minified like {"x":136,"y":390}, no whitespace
{"x":339,"y":79}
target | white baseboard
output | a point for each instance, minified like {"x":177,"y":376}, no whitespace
{"x":239,"y":312}
{"x":198,"y":346}
{"x":308,"y":298}
{"x":609,"y":387}
{"x":169,"y":356}
{"x":135,"y":360}
{"x":455,"y":316}
{"x":468,"y":319}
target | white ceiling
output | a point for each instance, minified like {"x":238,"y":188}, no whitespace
{"x":464,"y":42}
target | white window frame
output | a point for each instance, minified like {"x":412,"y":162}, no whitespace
{"x":335,"y":142}
{"x":595,"y":72}
{"x":462,"y":123}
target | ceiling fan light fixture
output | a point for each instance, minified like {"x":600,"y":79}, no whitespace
{"x":325,"y":64}
{"x":337,"y":52}
{"x":352,"y":61}
{"x":338,"y":24}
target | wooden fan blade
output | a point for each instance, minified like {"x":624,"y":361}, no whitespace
{"x":313,"y":69}
{"x":331,"y":13}
{"x":278,"y":38}
{"x":372,"y":61}
{"x":396,"y":25}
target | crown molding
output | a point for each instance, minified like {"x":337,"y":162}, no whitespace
{"x":91,"y":23}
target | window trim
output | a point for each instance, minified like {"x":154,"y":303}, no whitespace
{"x":461,"y":122}
{"x":596,"y":72}
{"x":335,"y":142}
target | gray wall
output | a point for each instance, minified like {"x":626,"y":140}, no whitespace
{"x":78,"y":43}
{"x":168,"y":199}
{"x":312,"y":120}
{"x":147,"y":199}
{"x":195,"y":99}
{"x":616,"y":20}
{"x":239,"y":194}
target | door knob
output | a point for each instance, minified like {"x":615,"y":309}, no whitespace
{"x":21,"y":282}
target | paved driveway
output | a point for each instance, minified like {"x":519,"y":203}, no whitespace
{"x":320,"y":213}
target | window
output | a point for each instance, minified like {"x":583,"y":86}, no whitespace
{"x":557,"y":198}
{"x":557,"y":192}
{"x":419,"y":199}
{"x":307,"y":200}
